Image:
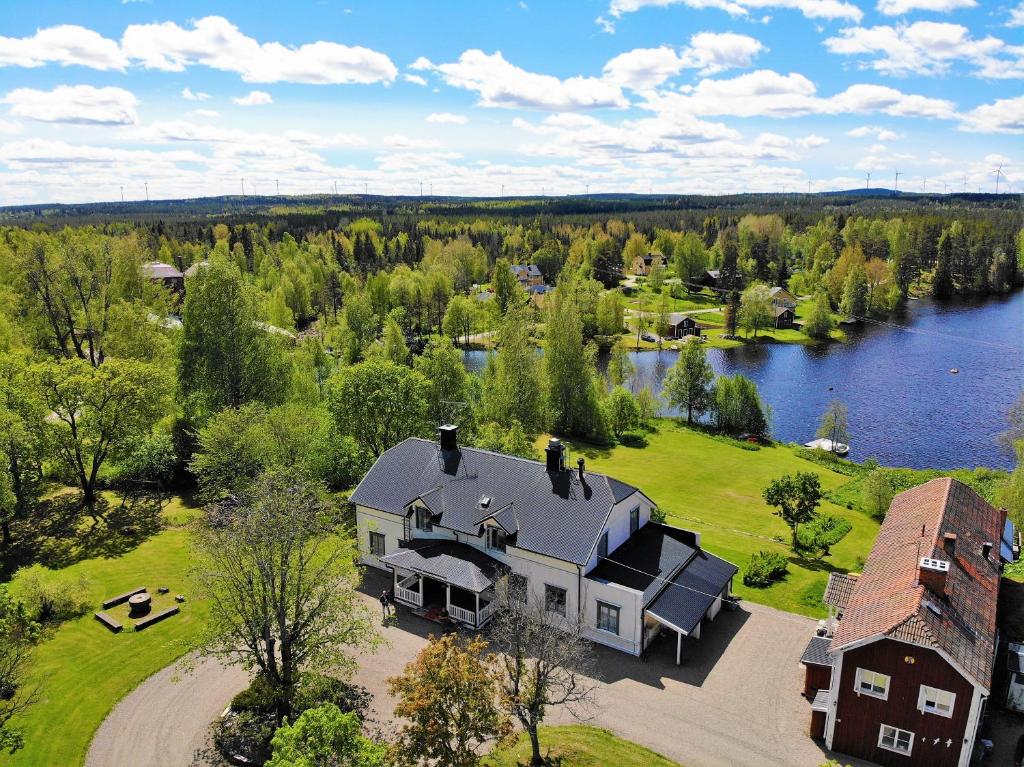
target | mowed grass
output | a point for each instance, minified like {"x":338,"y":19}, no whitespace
{"x":578,"y":746}
{"x":714,"y":486}
{"x":83,"y":669}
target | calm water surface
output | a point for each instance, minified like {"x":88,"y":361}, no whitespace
{"x":906,"y":408}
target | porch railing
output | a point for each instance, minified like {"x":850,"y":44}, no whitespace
{"x":486,"y":612}
{"x":412,"y":596}
{"x":461,"y":614}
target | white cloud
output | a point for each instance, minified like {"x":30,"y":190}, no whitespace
{"x":501,"y":84}
{"x":399,"y":141}
{"x":1016,"y":18}
{"x":9,"y":128}
{"x":711,"y":52}
{"x":187,"y":93}
{"x":766,"y":93}
{"x":39,"y":152}
{"x":899,"y":7}
{"x":66,"y":44}
{"x":928,"y":48}
{"x":78,"y":104}
{"x":643,"y":68}
{"x":253,"y":99}
{"x":205,"y":113}
{"x":447,"y":117}
{"x":877,"y":132}
{"x":415,"y":79}
{"x":1001,"y":116}
{"x":812,"y":9}
{"x":422,"y":63}
{"x":215,"y":42}
{"x":812,"y":142}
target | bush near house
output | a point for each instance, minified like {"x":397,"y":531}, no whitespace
{"x":764,"y":568}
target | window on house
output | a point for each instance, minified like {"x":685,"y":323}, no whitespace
{"x":895,"y":739}
{"x":495,"y":538}
{"x":602,"y":546}
{"x":554,"y":599}
{"x":872,"y":683}
{"x":517,"y":587}
{"x":634,"y":520}
{"x":377,"y":544}
{"x":423,"y":520}
{"x":608,"y":617}
{"x":936,"y":701}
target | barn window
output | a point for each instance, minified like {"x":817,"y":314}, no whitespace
{"x":872,"y":683}
{"x":895,"y":739}
{"x":935,"y":701}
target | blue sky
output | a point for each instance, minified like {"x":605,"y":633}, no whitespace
{"x":672,"y":96}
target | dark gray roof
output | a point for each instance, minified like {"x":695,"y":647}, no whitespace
{"x":531,"y":270}
{"x":653,"y":554}
{"x":451,"y":562}
{"x":692,"y":591}
{"x":557,"y":515}
{"x":816,"y":652}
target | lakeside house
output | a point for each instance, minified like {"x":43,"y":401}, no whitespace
{"x":683,"y":325}
{"x":165,"y":274}
{"x":904,"y":671}
{"x":782,"y":298}
{"x":452,"y":523}
{"x":783,"y":317}
{"x":529,"y":275}
{"x":642,"y":265}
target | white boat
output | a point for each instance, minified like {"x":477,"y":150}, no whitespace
{"x":826,"y":445}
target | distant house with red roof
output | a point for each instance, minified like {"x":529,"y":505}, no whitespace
{"x":906,"y":676}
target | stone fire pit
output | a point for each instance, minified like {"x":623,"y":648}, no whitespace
{"x":139,"y":604}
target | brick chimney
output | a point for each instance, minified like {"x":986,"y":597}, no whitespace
{"x":555,"y":453}
{"x":932,"y":574}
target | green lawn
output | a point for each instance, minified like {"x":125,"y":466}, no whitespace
{"x":84,"y":669}
{"x":579,"y":746}
{"x":714,"y":486}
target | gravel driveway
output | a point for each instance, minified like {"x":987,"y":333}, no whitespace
{"x":164,"y":720}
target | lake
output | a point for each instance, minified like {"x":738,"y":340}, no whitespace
{"x":906,"y":408}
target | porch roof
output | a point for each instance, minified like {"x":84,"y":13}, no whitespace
{"x":454,"y":563}
{"x":692,"y":591}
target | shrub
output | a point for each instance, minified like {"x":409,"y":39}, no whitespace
{"x":259,"y":697}
{"x":244,"y":737}
{"x":764,"y":569}
{"x":822,"y":533}
{"x":50,"y":597}
{"x":315,"y":690}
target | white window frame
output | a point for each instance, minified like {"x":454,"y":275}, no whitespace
{"x":610,"y":608}
{"x":374,"y":535}
{"x":922,"y":701}
{"x":491,"y":536}
{"x":565,"y":600}
{"x":895,"y":740}
{"x":884,"y":695}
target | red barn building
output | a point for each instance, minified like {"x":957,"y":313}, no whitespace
{"x":912,"y":654}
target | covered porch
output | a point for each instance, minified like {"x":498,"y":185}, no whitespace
{"x":445,"y":579}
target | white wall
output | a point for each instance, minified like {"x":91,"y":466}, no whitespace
{"x":618,"y":524}
{"x":629,"y":639}
{"x":371,"y":520}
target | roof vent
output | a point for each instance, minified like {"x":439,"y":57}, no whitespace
{"x":485,"y":501}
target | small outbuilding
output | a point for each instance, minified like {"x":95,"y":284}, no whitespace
{"x":784,"y":317}
{"x":171,"y":278}
{"x":682,"y":325}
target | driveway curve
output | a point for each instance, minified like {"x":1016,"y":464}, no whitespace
{"x":164,"y":720}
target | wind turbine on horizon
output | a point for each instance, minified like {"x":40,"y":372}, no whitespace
{"x":868,"y":185}
{"x":998,"y":172}
{"x":896,"y":184}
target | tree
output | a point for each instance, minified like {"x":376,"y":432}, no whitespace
{"x":395,"y":348}
{"x":877,"y":493}
{"x":569,"y":369}
{"x":513,"y":387}
{"x":620,"y":366}
{"x":610,"y":315}
{"x":623,"y":413}
{"x":1010,"y":494}
{"x":98,"y":412}
{"x":541,"y":666}
{"x":22,"y":446}
{"x":833,"y":424}
{"x":325,"y":737}
{"x":511,"y":440}
{"x":756,"y":308}
{"x":688,"y":383}
{"x":819,"y":322}
{"x":796,"y":498}
{"x":447,"y":382}
{"x":378,"y":403}
{"x":507,"y":290}
{"x":281,"y":584}
{"x":732,"y":313}
{"x":226,"y":356}
{"x":855,"y":292}
{"x":449,"y":697}
{"x":635,"y":247}
{"x":737,"y":406}
{"x":460,"y":318}
{"x":18,"y":634}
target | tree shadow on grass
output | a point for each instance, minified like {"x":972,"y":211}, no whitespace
{"x":62,"y":531}
{"x":815,"y":564}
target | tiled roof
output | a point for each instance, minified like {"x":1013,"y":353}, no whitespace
{"x":817,"y":653}
{"x":454,"y":563}
{"x":557,"y":515}
{"x":647,"y":559}
{"x":689,"y":594}
{"x":888,"y":600}
{"x":839,"y":588}
{"x":155,"y":270}
{"x":779,"y":310}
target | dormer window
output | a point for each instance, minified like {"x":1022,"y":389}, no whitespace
{"x":423,"y":521}
{"x":495,"y":538}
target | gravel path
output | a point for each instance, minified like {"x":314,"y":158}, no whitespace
{"x":164,"y":720}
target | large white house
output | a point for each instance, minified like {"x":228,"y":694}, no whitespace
{"x":451,"y":522}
